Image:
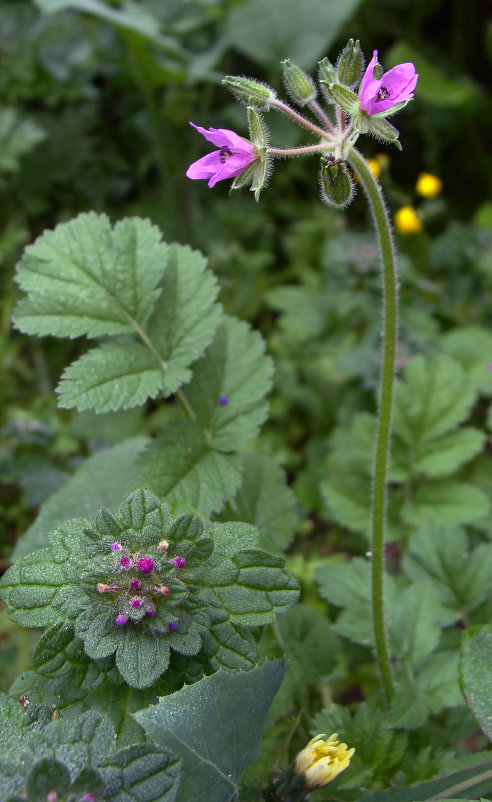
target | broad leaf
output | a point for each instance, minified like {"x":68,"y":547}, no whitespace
{"x":181,"y":466}
{"x":86,"y":278}
{"x":476,"y":674}
{"x":445,"y":502}
{"x":234,"y":708}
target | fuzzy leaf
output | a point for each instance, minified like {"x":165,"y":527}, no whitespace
{"x":180,"y":465}
{"x":234,"y":708}
{"x":476,"y":674}
{"x":86,"y":278}
{"x":445,"y":502}
{"x":435,"y":687}
{"x":471,"y":346}
{"x":236,"y":370}
{"x":443,"y":455}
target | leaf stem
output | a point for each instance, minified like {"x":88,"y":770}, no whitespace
{"x":463,"y":786}
{"x":383,"y":433}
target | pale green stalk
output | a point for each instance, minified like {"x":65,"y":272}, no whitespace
{"x":383,"y":434}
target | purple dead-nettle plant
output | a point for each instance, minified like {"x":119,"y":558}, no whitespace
{"x":344,"y":103}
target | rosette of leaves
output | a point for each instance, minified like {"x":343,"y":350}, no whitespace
{"x":142,"y":584}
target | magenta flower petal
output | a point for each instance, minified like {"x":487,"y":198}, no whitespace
{"x":394,"y":87}
{"x":232,"y":158}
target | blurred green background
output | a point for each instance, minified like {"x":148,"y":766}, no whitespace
{"x":95,"y":100}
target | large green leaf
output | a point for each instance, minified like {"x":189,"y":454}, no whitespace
{"x":267,"y":31}
{"x":231,"y":706}
{"x":103,"y":480}
{"x":476,"y":674}
{"x":445,"y":501}
{"x":181,"y":466}
{"x":86,"y":278}
{"x":476,"y":781}
{"x":229,"y":386}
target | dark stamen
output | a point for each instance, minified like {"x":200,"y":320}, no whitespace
{"x":224,"y":154}
{"x":382,"y":94}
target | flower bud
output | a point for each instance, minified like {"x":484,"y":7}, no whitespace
{"x":327,"y":74}
{"x":298,"y":84}
{"x":251,"y":91}
{"x":257,"y":130}
{"x":337,"y":187}
{"x":350,"y":64}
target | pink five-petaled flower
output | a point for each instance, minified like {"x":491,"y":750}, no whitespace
{"x":232,"y":158}
{"x":396,"y":86}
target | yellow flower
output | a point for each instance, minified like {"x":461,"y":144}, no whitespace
{"x":374,"y":167}
{"x":382,"y":159}
{"x":428,"y":185}
{"x":406,"y":221}
{"x":320,"y":761}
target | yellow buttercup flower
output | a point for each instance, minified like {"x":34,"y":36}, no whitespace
{"x":428,"y":185}
{"x":321,"y":761}
{"x":406,"y":221}
{"x":374,"y":167}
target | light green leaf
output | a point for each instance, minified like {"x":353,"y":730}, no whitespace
{"x":186,"y":316}
{"x":432,"y":400}
{"x":264,"y":500}
{"x":234,"y":708}
{"x":86,"y":278}
{"x":415,"y":622}
{"x":266,"y":31}
{"x":471,"y":346}
{"x":103,"y":480}
{"x":180,"y":466}
{"x":441,"y":554}
{"x":18,"y":136}
{"x":445,"y":502}
{"x":113,"y":376}
{"x":476,"y":674}
{"x":235,"y":369}
{"x":443,"y":455}
{"x":435,"y":686}
{"x":348,"y":500}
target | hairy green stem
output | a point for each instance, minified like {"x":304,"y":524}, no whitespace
{"x":301,"y":151}
{"x":383,"y":434}
{"x":286,"y":109}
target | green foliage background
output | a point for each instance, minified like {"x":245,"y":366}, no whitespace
{"x":95,"y":99}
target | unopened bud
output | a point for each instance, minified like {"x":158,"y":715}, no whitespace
{"x":337,"y":186}
{"x":350,"y":64}
{"x":298,"y":84}
{"x":327,"y":72}
{"x":164,"y":545}
{"x":257,"y":130}
{"x":251,"y":91}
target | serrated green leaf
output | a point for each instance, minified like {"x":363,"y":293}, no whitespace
{"x":146,"y":774}
{"x":432,"y":400}
{"x":186,"y":316}
{"x":443,"y":455}
{"x":347,"y":585}
{"x":142,"y":658}
{"x":445,"y":502}
{"x":18,"y":136}
{"x":86,"y":278}
{"x":102,"y":480}
{"x":415,"y":623}
{"x":259,"y":589}
{"x":463,"y":578}
{"x":180,"y":466}
{"x":434,"y":687}
{"x":47,"y":775}
{"x":234,"y":708}
{"x":264,"y":500}
{"x":471,"y":346}
{"x":476,"y":674}
{"x":113,"y":376}
{"x":348,"y":500}
{"x":236,"y":370}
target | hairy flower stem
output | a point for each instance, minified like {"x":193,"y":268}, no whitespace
{"x":301,"y":151}
{"x":298,"y":118}
{"x":383,"y":434}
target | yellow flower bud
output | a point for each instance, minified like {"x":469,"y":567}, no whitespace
{"x":321,"y":761}
{"x":428,"y":185}
{"x":406,"y":221}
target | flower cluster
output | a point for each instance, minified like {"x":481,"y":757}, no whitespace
{"x":380,"y":95}
{"x":137,"y":584}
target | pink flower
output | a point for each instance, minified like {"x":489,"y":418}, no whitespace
{"x":396,"y":86}
{"x":232,"y":158}
{"x":179,"y":562}
{"x":125,"y":562}
{"x":145,"y":564}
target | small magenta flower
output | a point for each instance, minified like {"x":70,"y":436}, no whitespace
{"x":135,"y":584}
{"x":125,"y":562}
{"x":136,"y":602}
{"x":232,"y":158}
{"x":145,"y":564}
{"x":115,"y":546}
{"x":179,"y":562}
{"x":380,"y":94}
{"x":172,"y":625}
{"x":121,"y":620}
{"x":151,"y":611}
